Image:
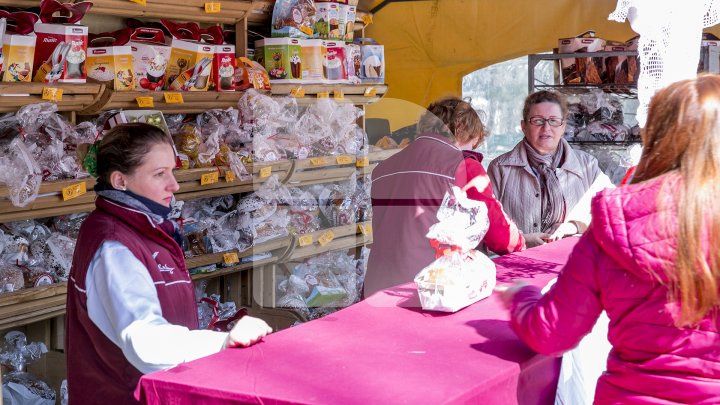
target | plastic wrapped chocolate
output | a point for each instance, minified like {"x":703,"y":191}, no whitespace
{"x":21,"y":172}
{"x":304,"y":212}
{"x":11,"y":278}
{"x":20,"y":387}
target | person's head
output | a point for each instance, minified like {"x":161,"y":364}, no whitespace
{"x":139,"y":158}
{"x":683,"y":135}
{"x":543,"y":120}
{"x":454,"y":119}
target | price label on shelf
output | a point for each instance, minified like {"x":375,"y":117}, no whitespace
{"x":370,"y":92}
{"x":266,"y":171}
{"x":365,"y":229}
{"x":339,"y":95}
{"x":362,"y":161}
{"x":174,"y":98}
{"x":230,"y":258}
{"x":229,"y":176}
{"x":73,"y":191}
{"x":343,"y":160}
{"x":212,"y":7}
{"x":305,"y":240}
{"x":141,"y":2}
{"x":209,"y":178}
{"x":323,"y":94}
{"x":318,"y":161}
{"x":52,"y":94}
{"x":297,"y":92}
{"x":145,"y":102}
{"x":326,"y":238}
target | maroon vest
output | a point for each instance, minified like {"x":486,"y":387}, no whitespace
{"x":97,"y":368}
{"x":407,"y":190}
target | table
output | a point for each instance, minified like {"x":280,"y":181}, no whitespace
{"x":383,"y":350}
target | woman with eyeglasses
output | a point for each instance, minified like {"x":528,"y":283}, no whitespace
{"x":408,"y":188}
{"x":545,"y":185}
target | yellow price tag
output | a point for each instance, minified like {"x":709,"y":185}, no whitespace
{"x":318,"y":161}
{"x":339,"y":95}
{"x":266,"y":171}
{"x":212,"y":7}
{"x":229,"y":176}
{"x":230,"y":258}
{"x":141,"y":2}
{"x":343,"y":160}
{"x":145,"y":102}
{"x":305,"y":240}
{"x":297,"y":92}
{"x":323,"y":94}
{"x":362,"y":161}
{"x":326,"y":238}
{"x":75,"y":190}
{"x":370,"y":92}
{"x":209,"y":178}
{"x":52,"y":94}
{"x":174,"y":98}
{"x":365,"y":229}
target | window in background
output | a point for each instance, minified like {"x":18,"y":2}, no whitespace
{"x":498,"y":92}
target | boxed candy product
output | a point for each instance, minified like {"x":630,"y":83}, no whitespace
{"x":282,"y":58}
{"x":327,"y":20}
{"x":582,"y":70}
{"x":293,"y":18}
{"x":190,"y":64}
{"x":110,"y":59}
{"x":224,"y":68}
{"x":621,"y":69}
{"x":353,"y":56}
{"x":150,"y":58}
{"x":373,"y":61}
{"x":334,"y":62}
{"x":17,"y":45}
{"x":312,"y":60}
{"x":709,"y":54}
{"x":348,"y":12}
{"x":61,"y":51}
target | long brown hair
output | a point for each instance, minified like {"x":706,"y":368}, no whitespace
{"x":683,"y":135}
{"x":453,"y":118}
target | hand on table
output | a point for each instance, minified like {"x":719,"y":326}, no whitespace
{"x":564,"y":229}
{"x":507,"y":292}
{"x":536,"y":239}
{"x":247,"y":331}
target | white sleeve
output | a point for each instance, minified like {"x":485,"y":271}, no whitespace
{"x":123,"y":303}
{"x":581,"y":211}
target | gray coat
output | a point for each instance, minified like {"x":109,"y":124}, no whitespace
{"x":518,"y":189}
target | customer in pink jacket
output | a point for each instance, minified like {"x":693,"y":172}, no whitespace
{"x":650,"y":259}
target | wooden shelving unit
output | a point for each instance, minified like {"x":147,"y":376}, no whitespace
{"x":75,"y":97}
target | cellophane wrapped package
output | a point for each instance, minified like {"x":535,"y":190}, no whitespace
{"x":460,"y":275}
{"x":20,"y":387}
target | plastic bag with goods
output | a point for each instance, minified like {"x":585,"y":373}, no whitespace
{"x":58,"y":255}
{"x":293,"y":18}
{"x":304,"y":212}
{"x":21,"y":172}
{"x":11,"y":278}
{"x":337,"y":203}
{"x":20,"y":387}
{"x":460,"y":275}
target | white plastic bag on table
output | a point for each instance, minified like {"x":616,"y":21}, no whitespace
{"x":460,"y":275}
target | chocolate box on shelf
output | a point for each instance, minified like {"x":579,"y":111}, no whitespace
{"x":281,"y":57}
{"x":110,"y":60}
{"x":190,"y":64}
{"x":582,"y":70}
{"x":150,"y":57}
{"x":373,"y":61}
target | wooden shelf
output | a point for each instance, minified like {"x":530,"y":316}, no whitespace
{"x":193,"y":101}
{"x":353,"y":93}
{"x":217,"y":258}
{"x":31,"y":305}
{"x":75,"y":96}
{"x":182,"y":10}
{"x":345,"y":237}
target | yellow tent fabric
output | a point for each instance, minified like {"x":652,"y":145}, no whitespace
{"x":431,"y":44}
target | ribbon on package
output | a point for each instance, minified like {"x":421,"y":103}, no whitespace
{"x":68,"y":12}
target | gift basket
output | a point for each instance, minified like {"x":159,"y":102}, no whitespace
{"x":460,"y":275}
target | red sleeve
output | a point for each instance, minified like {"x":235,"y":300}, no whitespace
{"x":503,"y":236}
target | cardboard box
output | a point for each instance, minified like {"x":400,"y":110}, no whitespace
{"x":312,"y":60}
{"x":150,"y":57}
{"x":69,"y":66}
{"x":373,"y":61}
{"x":190,"y":65}
{"x":113,"y":65}
{"x":353,"y":58}
{"x":224,"y":68}
{"x":334,"y":62}
{"x":581,"y":70}
{"x":709,"y":46}
{"x":621,"y":69}
{"x":348,"y":12}
{"x":327,"y":21}
{"x":18,"y":56}
{"x":281,"y":57}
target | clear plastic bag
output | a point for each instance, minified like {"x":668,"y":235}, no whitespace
{"x":21,"y":173}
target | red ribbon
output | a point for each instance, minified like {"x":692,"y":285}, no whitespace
{"x":72,"y":13}
{"x":188,"y":30}
{"x":443,"y":250}
{"x":116,"y":38}
{"x":19,"y":22}
{"x":212,"y":35}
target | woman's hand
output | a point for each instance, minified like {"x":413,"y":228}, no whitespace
{"x":507,"y":292}
{"x":564,"y":229}
{"x":536,"y":239}
{"x":247,"y":331}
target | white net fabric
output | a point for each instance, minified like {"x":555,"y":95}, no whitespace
{"x":667,"y":29}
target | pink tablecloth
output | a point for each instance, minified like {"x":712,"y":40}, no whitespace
{"x":382,"y":350}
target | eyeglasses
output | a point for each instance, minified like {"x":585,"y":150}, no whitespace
{"x":539,"y":121}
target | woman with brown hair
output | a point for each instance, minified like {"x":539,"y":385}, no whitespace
{"x":407,"y":190}
{"x":650,"y":260}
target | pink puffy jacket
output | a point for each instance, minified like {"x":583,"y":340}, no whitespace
{"x":652,"y":361}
